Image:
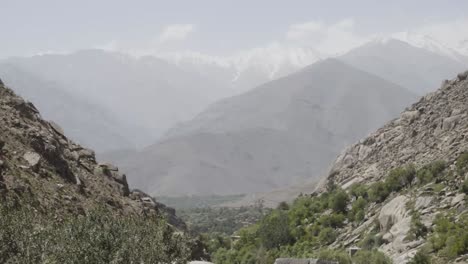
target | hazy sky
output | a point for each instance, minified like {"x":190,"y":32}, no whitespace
{"x":214,"y":26}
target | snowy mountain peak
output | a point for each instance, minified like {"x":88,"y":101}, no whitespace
{"x":428,"y":43}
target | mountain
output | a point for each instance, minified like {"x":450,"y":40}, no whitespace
{"x":148,"y":93}
{"x":246,"y":69}
{"x":418,"y":69}
{"x":399,"y":195}
{"x":277,"y":134}
{"x":87,"y":123}
{"x":59,"y":205}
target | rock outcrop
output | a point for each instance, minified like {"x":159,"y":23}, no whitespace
{"x":435,"y":129}
{"x":38,"y":162}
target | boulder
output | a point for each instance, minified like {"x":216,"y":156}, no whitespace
{"x":449,"y":123}
{"x":462,"y":76}
{"x":410,"y":116}
{"x":55,"y":127}
{"x":393,"y":212}
{"x":32,"y":158}
{"x":108,"y":166}
{"x":458,"y":199}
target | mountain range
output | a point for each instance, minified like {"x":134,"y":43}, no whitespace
{"x":285,"y":131}
{"x":168,"y":122}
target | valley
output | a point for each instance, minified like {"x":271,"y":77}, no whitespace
{"x":254,"y":132}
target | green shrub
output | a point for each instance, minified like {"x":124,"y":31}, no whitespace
{"x":338,"y":201}
{"x":273,"y":230}
{"x":327,"y":236}
{"x":431,"y":171}
{"x":421,"y":258}
{"x":464,"y":187}
{"x":335,"y":255}
{"x":378,"y":192}
{"x":28,"y":236}
{"x":371,"y":241}
{"x":332,"y":220}
{"x":400,"y":178}
{"x":450,"y":237}
{"x":283,"y":206}
{"x":417,"y":228}
{"x":370,"y":257}
{"x":358,"y":190}
{"x":462,"y":164}
{"x":357,"y":210}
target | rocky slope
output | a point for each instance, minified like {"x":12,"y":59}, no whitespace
{"x":38,"y":162}
{"x":430,"y":132}
{"x":278,"y":134}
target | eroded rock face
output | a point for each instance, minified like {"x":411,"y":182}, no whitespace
{"x":435,"y":128}
{"x":38,"y":160}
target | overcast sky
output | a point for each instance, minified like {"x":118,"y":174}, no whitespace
{"x":216,"y":27}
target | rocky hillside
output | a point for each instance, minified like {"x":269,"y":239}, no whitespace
{"x":46,"y":177}
{"x":435,"y":128}
{"x":431,"y":135}
{"x":398,"y":196}
{"x":278,"y":134}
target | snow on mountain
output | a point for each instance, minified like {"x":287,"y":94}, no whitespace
{"x":249,"y":68}
{"x":432,"y":44}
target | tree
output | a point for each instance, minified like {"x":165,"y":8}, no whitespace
{"x":420,"y":258}
{"x":273,"y":231}
{"x":338,"y":201}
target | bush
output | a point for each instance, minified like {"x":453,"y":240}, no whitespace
{"x":420,"y":258}
{"x":28,"y":236}
{"x":357,"y":210}
{"x":335,"y":255}
{"x":400,"y":178}
{"x":332,"y":220}
{"x":431,"y":171}
{"x":358,"y":190}
{"x":273,"y":230}
{"x":450,"y":237}
{"x":283,"y":206}
{"x":378,"y":192}
{"x":338,"y":201}
{"x":327,"y":236}
{"x":462,"y":164}
{"x":464,"y":187}
{"x":371,"y":241}
{"x":417,"y":228}
{"x":370,"y":257}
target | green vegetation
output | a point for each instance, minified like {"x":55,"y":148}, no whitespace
{"x":372,"y":240}
{"x":221,"y":220}
{"x":30,"y":236}
{"x":450,"y":236}
{"x":464,"y":187}
{"x":431,"y":171}
{"x":198,"y":201}
{"x":462,"y":164}
{"x":310,"y":224}
{"x":417,"y":228}
{"x":370,"y":257}
{"x":421,"y":257}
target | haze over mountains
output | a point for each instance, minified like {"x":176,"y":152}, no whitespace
{"x":417,"y":69}
{"x":283,"y":132}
